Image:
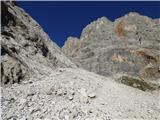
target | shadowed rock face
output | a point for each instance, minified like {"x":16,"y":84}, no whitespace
{"x":26,"y":50}
{"x":129,"y":45}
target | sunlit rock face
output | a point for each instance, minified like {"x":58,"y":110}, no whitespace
{"x":26,"y":50}
{"x":130,"y":45}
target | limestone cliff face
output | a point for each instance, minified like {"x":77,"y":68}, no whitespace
{"x":129,"y":45}
{"x":26,"y":50}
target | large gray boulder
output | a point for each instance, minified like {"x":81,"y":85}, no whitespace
{"x":128,"y":46}
{"x":26,"y":50}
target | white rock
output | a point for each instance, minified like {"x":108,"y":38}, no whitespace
{"x":92,"y":95}
{"x":59,"y":92}
{"x":83,"y":92}
{"x":22,"y":101}
{"x":70,"y":97}
{"x":83,"y":95}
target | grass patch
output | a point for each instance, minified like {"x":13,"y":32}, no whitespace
{"x":136,"y":83}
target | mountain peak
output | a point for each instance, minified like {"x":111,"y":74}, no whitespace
{"x":104,"y":19}
{"x":133,"y":14}
{"x":96,"y":27}
{"x":137,"y":19}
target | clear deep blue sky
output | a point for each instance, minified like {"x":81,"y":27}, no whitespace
{"x":62,"y":19}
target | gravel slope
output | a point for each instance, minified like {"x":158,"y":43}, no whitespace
{"x":77,"y":94}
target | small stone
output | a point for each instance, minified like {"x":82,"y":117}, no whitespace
{"x":84,"y":96}
{"x":72,"y":83}
{"x":84,"y":99}
{"x":5,"y":103}
{"x":65,"y":92}
{"x":66,"y":117}
{"x":83,"y":92}
{"x":92,"y":95}
{"x":13,"y":99}
{"x":12,"y":118}
{"x":38,"y":119}
{"x":90,"y":111}
{"x":59,"y":92}
{"x":61,"y":70}
{"x":150,"y":111}
{"x":53,"y":102}
{"x":33,"y":110}
{"x":22,"y":101}
{"x":72,"y":92}
{"x":70,"y":97}
{"x":30,"y":94}
{"x":50,"y":92}
{"x":87,"y":119}
{"x":135,"y":85}
{"x":75,"y":113}
{"x":23,"y":118}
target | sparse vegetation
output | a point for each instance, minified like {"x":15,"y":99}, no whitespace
{"x":136,"y":83}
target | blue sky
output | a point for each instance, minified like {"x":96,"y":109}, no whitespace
{"x":63,"y":19}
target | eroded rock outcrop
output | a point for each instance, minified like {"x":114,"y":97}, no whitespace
{"x":26,"y":50}
{"x":128,"y":46}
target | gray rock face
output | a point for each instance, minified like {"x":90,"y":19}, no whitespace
{"x":26,"y":50}
{"x":129,"y":45}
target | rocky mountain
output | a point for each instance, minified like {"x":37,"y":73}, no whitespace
{"x":26,"y":50}
{"x":40,"y":83}
{"x":157,"y":21}
{"x":127,"y":47}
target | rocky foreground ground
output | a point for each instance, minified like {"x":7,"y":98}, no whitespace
{"x":75,"y":94}
{"x":38,"y":81}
